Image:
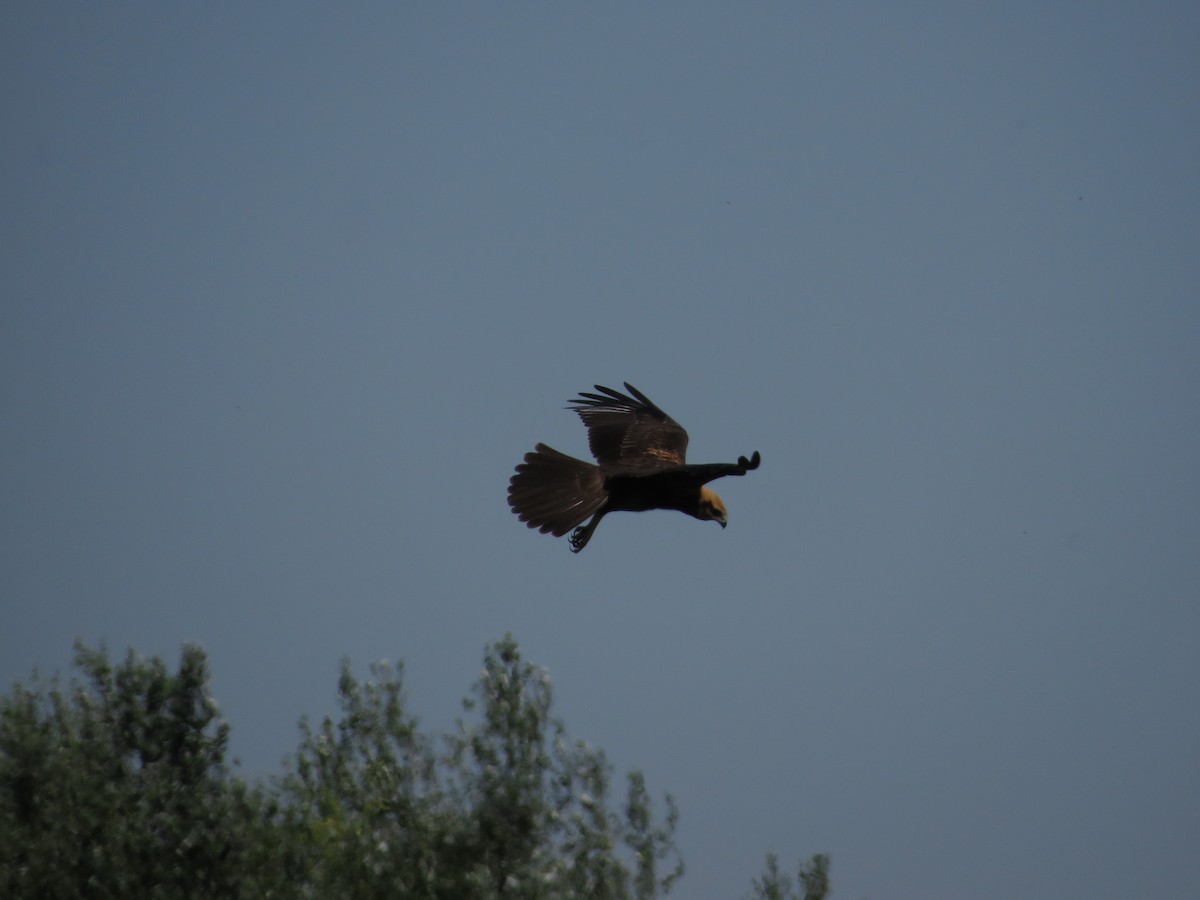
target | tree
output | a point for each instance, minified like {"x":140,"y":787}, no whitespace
{"x":116,"y":786}
{"x":776,"y":885}
{"x":507,"y":805}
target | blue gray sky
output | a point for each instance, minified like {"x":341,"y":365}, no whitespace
{"x":287,"y":291}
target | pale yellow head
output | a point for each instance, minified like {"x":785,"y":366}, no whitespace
{"x":711,"y":506}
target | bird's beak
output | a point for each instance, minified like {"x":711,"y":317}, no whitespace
{"x":721,"y":521}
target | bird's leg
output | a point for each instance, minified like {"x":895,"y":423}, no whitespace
{"x":581,"y":535}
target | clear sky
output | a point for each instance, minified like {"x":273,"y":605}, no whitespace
{"x":287,"y":291}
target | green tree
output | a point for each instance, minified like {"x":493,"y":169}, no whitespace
{"x":507,"y":805}
{"x":776,"y":885}
{"x":116,"y":786}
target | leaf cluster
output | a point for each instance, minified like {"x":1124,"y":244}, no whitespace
{"x":812,"y":878}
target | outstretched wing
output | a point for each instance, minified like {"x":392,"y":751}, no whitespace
{"x":706,"y":472}
{"x":630,"y":432}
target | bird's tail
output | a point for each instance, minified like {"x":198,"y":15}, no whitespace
{"x":553,"y":492}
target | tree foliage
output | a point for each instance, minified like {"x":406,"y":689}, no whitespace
{"x":116,"y":785}
{"x":813,"y":878}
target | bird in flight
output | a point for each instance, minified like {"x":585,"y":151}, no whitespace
{"x":641,"y":452}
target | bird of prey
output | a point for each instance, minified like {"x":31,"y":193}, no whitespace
{"x":641,"y":452}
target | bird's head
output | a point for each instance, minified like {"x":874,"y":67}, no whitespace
{"x":710,"y":507}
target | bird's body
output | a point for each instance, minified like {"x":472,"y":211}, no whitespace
{"x":640,"y":465}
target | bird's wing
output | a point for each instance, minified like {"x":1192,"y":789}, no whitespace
{"x":706,"y":472}
{"x":630,"y":432}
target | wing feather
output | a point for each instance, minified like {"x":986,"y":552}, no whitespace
{"x":630,"y":431}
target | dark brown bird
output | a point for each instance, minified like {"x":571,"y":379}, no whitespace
{"x":641,"y":453}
